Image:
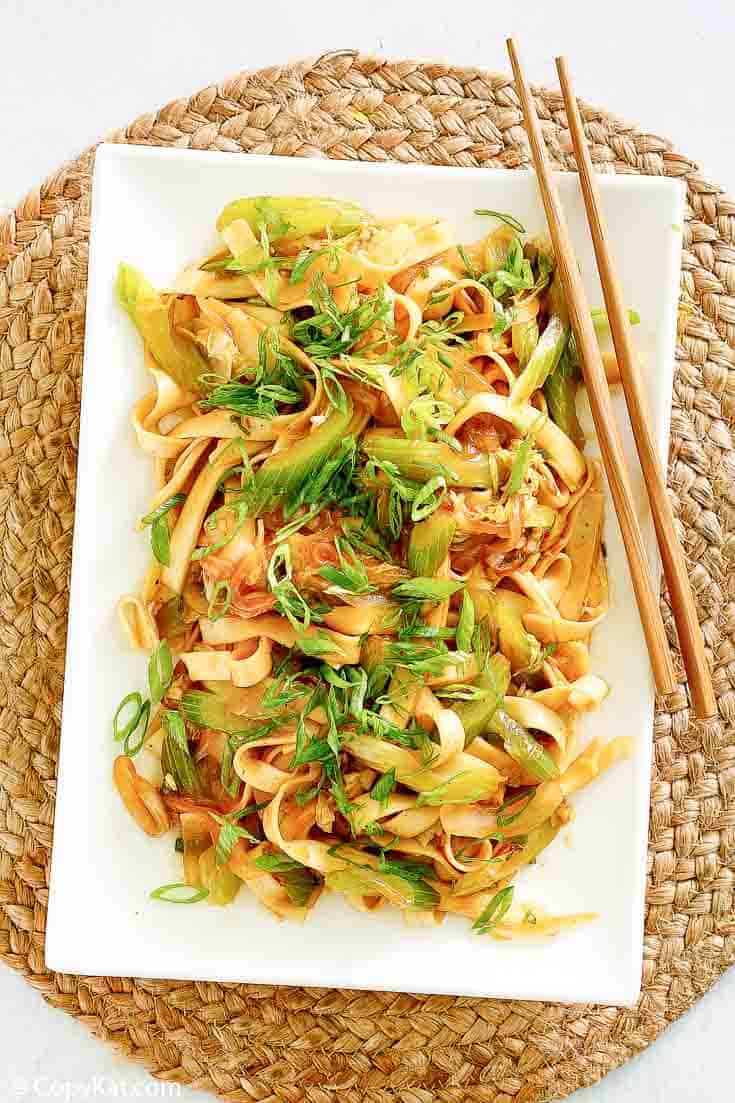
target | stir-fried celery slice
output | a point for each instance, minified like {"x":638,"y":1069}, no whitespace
{"x":422,"y":460}
{"x":221,"y":882}
{"x":151,"y":313}
{"x":560,"y":390}
{"x":561,"y":386}
{"x":523,"y":747}
{"x":525,"y":337}
{"x":504,"y":610}
{"x":476,"y":716}
{"x":462,"y":780}
{"x":601,"y":322}
{"x":429,"y":543}
{"x":363,"y":881}
{"x":294,"y":216}
{"x":285,"y":478}
{"x":177,"y":764}
{"x":546,"y":354}
{"x":170,"y":618}
{"x":208,"y":710}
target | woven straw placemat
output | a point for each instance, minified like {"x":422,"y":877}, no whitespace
{"x":291,"y":1044}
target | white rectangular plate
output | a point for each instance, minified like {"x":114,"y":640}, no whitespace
{"x":156,"y":209}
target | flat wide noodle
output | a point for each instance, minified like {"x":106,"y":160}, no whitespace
{"x":137,"y":623}
{"x":203,"y":666}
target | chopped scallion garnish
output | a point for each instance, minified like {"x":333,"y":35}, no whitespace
{"x":158,"y":520}
{"x":508,"y":219}
{"x":495,"y":911}
{"x":179,"y":893}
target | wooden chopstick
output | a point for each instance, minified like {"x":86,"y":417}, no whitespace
{"x":599,"y":395}
{"x":675,"y":571}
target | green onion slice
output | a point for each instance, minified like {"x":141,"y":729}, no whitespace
{"x":428,"y":498}
{"x":522,"y":797}
{"x":220,"y":601}
{"x":162,"y":510}
{"x":508,"y":219}
{"x":173,"y":893}
{"x":160,"y":672}
{"x":138,"y":720}
{"x":495,"y":911}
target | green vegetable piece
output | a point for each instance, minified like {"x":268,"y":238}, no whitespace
{"x":160,"y":672}
{"x":138,"y":713}
{"x":484,"y":878}
{"x":293,"y":216}
{"x":179,"y":893}
{"x":560,"y":390}
{"x":428,"y":499}
{"x":151,"y":313}
{"x":464,"y":787}
{"x":547,"y":352}
{"x":525,"y":341}
{"x":160,"y":511}
{"x":508,"y":219}
{"x":476,"y":716}
{"x":503,"y":609}
{"x":177,"y":764}
{"x":519,"y":468}
{"x":297,"y":879}
{"x":426,"y":589}
{"x":523,"y":747}
{"x":364,"y":881}
{"x":220,"y":882}
{"x":466,"y":623}
{"x":422,"y":460}
{"x":495,"y":911}
{"x":288,"y":477}
{"x":384,"y":786}
{"x":229,"y":834}
{"x":209,"y":710}
{"x":220,"y":601}
{"x":429,"y":543}
{"x":601,"y":322}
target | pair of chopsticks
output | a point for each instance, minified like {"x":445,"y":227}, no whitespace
{"x":682,"y":600}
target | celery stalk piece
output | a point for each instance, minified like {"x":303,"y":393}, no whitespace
{"x":150,"y":312}
{"x":294,"y":216}
{"x":221,"y":882}
{"x":601,"y":322}
{"x":363,"y":881}
{"x":562,"y":384}
{"x":504,"y":610}
{"x":208,"y":710}
{"x":551,"y":344}
{"x":422,"y":460}
{"x":525,"y":336}
{"x":284,"y":477}
{"x":463,"y":779}
{"x":544,"y":359}
{"x":560,"y":390}
{"x":177,"y":764}
{"x":526,"y":750}
{"x":476,"y":716}
{"x":518,"y":645}
{"x":429,"y":543}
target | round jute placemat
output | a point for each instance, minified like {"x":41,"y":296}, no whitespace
{"x":291,"y":1044}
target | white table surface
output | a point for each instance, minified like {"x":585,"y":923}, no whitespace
{"x":73,"y":71}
